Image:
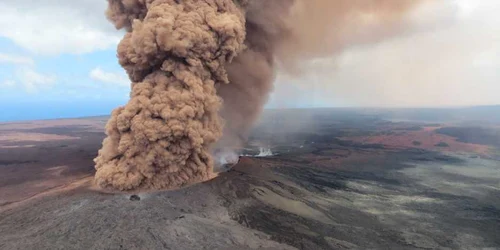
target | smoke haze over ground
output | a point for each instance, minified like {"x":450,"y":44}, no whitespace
{"x":202,"y":72}
{"x":446,"y":56}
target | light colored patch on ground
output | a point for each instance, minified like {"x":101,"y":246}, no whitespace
{"x":474,"y":178}
{"x":192,"y":226}
{"x":38,"y":137}
{"x":383,"y":205}
{"x":97,"y":124}
{"x":465,"y":239}
{"x":71,"y":208}
{"x":58,"y":170}
{"x":487,"y":171}
{"x":339,"y":244}
{"x":420,"y":240}
{"x":292,"y":206}
{"x":366,"y":187}
{"x":17,"y":146}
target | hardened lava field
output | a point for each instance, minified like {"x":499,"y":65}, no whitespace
{"x":333,"y":179}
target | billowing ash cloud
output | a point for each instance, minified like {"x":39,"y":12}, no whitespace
{"x":202,"y":71}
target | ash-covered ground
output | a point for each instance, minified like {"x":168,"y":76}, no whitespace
{"x":310,"y":179}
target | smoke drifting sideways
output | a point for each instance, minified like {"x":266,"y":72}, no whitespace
{"x":202,"y":71}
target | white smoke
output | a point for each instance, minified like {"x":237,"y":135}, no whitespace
{"x":265,"y":152}
{"x":225,"y":159}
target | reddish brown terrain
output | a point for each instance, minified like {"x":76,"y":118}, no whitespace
{"x":425,"y":138}
{"x":42,"y":156}
{"x":310,"y":179}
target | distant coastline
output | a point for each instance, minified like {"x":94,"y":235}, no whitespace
{"x":75,"y":110}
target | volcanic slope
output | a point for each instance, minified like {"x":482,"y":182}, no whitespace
{"x":315,"y":189}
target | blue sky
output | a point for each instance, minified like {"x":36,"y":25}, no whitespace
{"x":58,"y":60}
{"x":61,"y":85}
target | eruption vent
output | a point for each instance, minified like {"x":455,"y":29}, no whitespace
{"x":202,"y":71}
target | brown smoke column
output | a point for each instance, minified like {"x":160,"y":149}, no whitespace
{"x":202,"y":71}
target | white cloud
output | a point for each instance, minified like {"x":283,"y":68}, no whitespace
{"x":110,"y":77}
{"x":32,"y":80}
{"x":24,"y":74}
{"x":53,"y":27}
{"x":15,"y":59}
{"x":8,"y":83}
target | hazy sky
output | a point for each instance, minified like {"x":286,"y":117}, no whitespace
{"x":450,"y":57}
{"x":63,"y":53}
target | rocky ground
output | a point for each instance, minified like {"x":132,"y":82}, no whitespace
{"x":322,"y":184}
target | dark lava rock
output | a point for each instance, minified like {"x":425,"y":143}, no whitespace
{"x":135,"y":198}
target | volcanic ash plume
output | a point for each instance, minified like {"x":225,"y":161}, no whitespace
{"x":175,"y":55}
{"x":204,"y":68}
